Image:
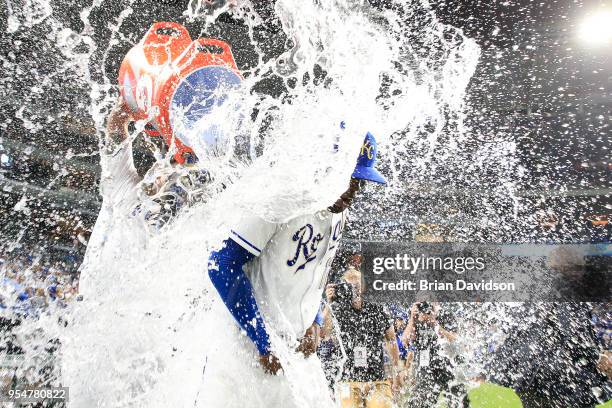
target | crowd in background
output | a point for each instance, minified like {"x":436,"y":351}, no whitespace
{"x":550,"y":354}
{"x":30,"y":283}
{"x":399,"y":355}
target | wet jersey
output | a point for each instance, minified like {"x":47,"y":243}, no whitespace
{"x":291,"y":264}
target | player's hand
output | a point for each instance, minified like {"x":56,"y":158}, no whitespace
{"x":270,"y":363}
{"x":330,"y":291}
{"x":121,"y":113}
{"x":307,"y":345}
{"x":118,"y":119}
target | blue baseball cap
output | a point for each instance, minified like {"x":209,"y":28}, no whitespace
{"x":367,"y":159}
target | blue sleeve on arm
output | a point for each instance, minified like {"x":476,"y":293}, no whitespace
{"x":319,"y":320}
{"x":234,"y":287}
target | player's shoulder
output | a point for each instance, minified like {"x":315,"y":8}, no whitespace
{"x":253,"y":233}
{"x":254,"y":223}
{"x":254,"y":219}
{"x":322,"y":216}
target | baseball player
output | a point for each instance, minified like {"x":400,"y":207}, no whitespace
{"x":273,"y":275}
{"x":164,"y":190}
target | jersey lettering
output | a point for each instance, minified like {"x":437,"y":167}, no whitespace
{"x":337,"y":231}
{"x":307,"y":243}
{"x":336,"y":234}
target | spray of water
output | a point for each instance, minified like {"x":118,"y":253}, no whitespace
{"x":149,"y":318}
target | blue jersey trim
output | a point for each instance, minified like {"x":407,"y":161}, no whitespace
{"x":246,"y":242}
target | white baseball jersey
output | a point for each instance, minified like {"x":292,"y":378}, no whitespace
{"x":292,"y":263}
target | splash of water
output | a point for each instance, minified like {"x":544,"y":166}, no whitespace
{"x":149,"y":318}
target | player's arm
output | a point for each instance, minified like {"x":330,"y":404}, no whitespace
{"x":310,"y":341}
{"x":119,"y":176}
{"x":327,"y":326}
{"x":117,"y":125}
{"x":235,"y":289}
{"x":312,"y":337}
{"x":226,"y":272}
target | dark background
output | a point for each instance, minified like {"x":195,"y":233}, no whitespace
{"x":535,"y":81}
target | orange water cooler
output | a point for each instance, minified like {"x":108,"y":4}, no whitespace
{"x":168,"y":77}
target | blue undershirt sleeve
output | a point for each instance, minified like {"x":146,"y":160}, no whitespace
{"x":234,"y":287}
{"x":319,"y":320}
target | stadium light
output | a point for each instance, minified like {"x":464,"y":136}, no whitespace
{"x":596,"y":29}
